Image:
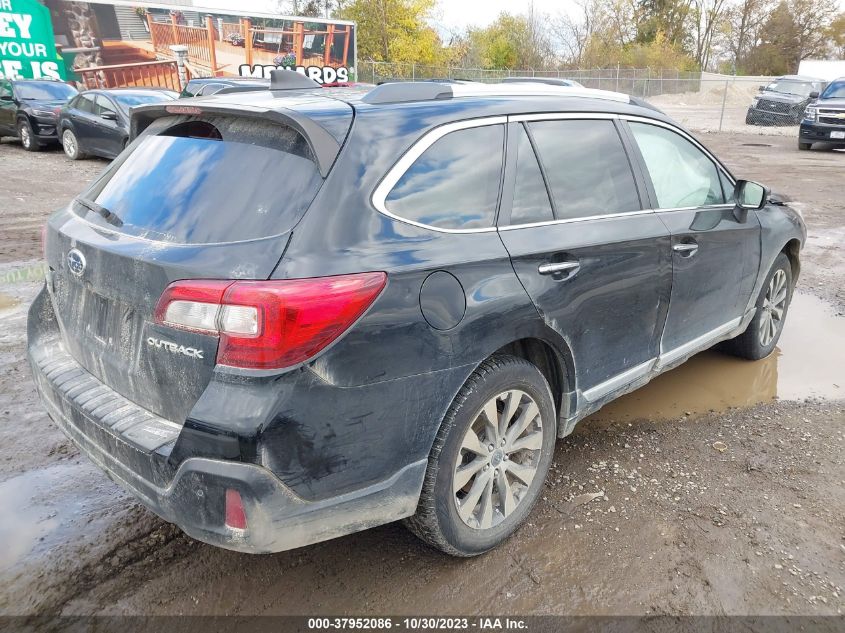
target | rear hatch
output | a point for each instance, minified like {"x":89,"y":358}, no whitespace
{"x":200,"y":194}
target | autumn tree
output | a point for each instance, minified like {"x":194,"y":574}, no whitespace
{"x":393,"y":30}
{"x":794,"y":30}
{"x":511,"y":41}
{"x":836,"y":34}
{"x":668,"y":17}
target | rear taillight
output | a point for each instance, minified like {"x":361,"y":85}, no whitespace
{"x":235,"y":514}
{"x":269,"y":324}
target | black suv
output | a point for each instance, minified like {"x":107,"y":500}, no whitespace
{"x":782,"y":102}
{"x":824,"y":118}
{"x":283,"y":316}
{"x":29,"y":109}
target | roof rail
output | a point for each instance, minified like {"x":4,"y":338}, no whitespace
{"x":405,"y":91}
{"x":552,"y":81}
{"x":290,"y":80}
{"x":402,"y":92}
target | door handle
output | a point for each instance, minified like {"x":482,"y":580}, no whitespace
{"x":686,"y":249}
{"x":560,"y":267}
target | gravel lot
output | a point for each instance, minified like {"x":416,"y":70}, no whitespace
{"x":717,"y":489}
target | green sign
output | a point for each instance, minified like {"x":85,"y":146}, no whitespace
{"x":27,"y":47}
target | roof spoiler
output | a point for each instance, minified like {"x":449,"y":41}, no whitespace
{"x":282,"y":79}
{"x":323,"y":145}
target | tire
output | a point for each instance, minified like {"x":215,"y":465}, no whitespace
{"x":512,"y":385}
{"x":70,"y":144}
{"x":27,"y":137}
{"x":756,"y":342}
{"x":804,"y":146}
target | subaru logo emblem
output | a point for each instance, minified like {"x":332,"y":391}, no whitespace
{"x":76,"y":262}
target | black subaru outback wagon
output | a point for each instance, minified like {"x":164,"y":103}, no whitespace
{"x":283,"y":316}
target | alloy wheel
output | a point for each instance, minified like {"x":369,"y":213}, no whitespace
{"x":26,"y":137}
{"x":774,"y":305}
{"x":69,"y":143}
{"x":498,"y":459}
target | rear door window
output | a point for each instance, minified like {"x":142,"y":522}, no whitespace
{"x":530,"y":198}
{"x":454,"y":184}
{"x":218,"y":179}
{"x":587,"y":167}
{"x":85,"y":103}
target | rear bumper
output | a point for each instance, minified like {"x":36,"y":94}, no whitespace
{"x":133,"y":447}
{"x":820,"y":133}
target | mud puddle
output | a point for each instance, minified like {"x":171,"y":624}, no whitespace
{"x":807,"y":363}
{"x":44,"y":510}
{"x":7,"y":302}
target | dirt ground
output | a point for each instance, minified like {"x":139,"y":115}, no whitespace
{"x":717,"y":489}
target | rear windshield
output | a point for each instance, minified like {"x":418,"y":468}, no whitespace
{"x":198,"y":181}
{"x":128,"y":100}
{"x":44,"y":90}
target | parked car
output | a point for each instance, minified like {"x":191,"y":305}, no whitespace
{"x":783,"y":101}
{"x":96,"y":122}
{"x":473,"y":269}
{"x":824,"y":118}
{"x":205,"y":86}
{"x":29,"y":110}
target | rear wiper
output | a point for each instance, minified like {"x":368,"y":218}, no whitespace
{"x":109,"y":217}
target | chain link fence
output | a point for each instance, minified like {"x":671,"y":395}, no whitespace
{"x":700,"y":101}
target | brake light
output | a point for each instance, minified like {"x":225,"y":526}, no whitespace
{"x":269,"y":324}
{"x":235,"y":514}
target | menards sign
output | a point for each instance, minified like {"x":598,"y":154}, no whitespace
{"x":27,"y":48}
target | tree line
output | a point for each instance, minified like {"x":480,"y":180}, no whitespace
{"x":758,"y":37}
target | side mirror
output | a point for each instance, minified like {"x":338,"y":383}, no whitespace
{"x":814,"y":94}
{"x":750,"y":195}
{"x":109,"y":115}
{"x":762,"y":88}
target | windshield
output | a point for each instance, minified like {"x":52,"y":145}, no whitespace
{"x":127,"y":100}
{"x":223,"y":179}
{"x":800,"y":88}
{"x":836,"y":90}
{"x":44,"y":90}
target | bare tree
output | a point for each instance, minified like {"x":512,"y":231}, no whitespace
{"x":812,"y":20}
{"x":706,"y":16}
{"x":572,"y":34}
{"x":745,"y":21}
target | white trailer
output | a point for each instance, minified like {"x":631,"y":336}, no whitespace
{"x":827,"y":69}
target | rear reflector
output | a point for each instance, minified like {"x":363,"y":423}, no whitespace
{"x":235,"y":515}
{"x":269,"y":324}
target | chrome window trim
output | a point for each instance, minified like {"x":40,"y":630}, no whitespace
{"x":416,"y":150}
{"x":701,"y":208}
{"x":396,"y":172}
{"x":604,"y":216}
{"x":557,"y":116}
